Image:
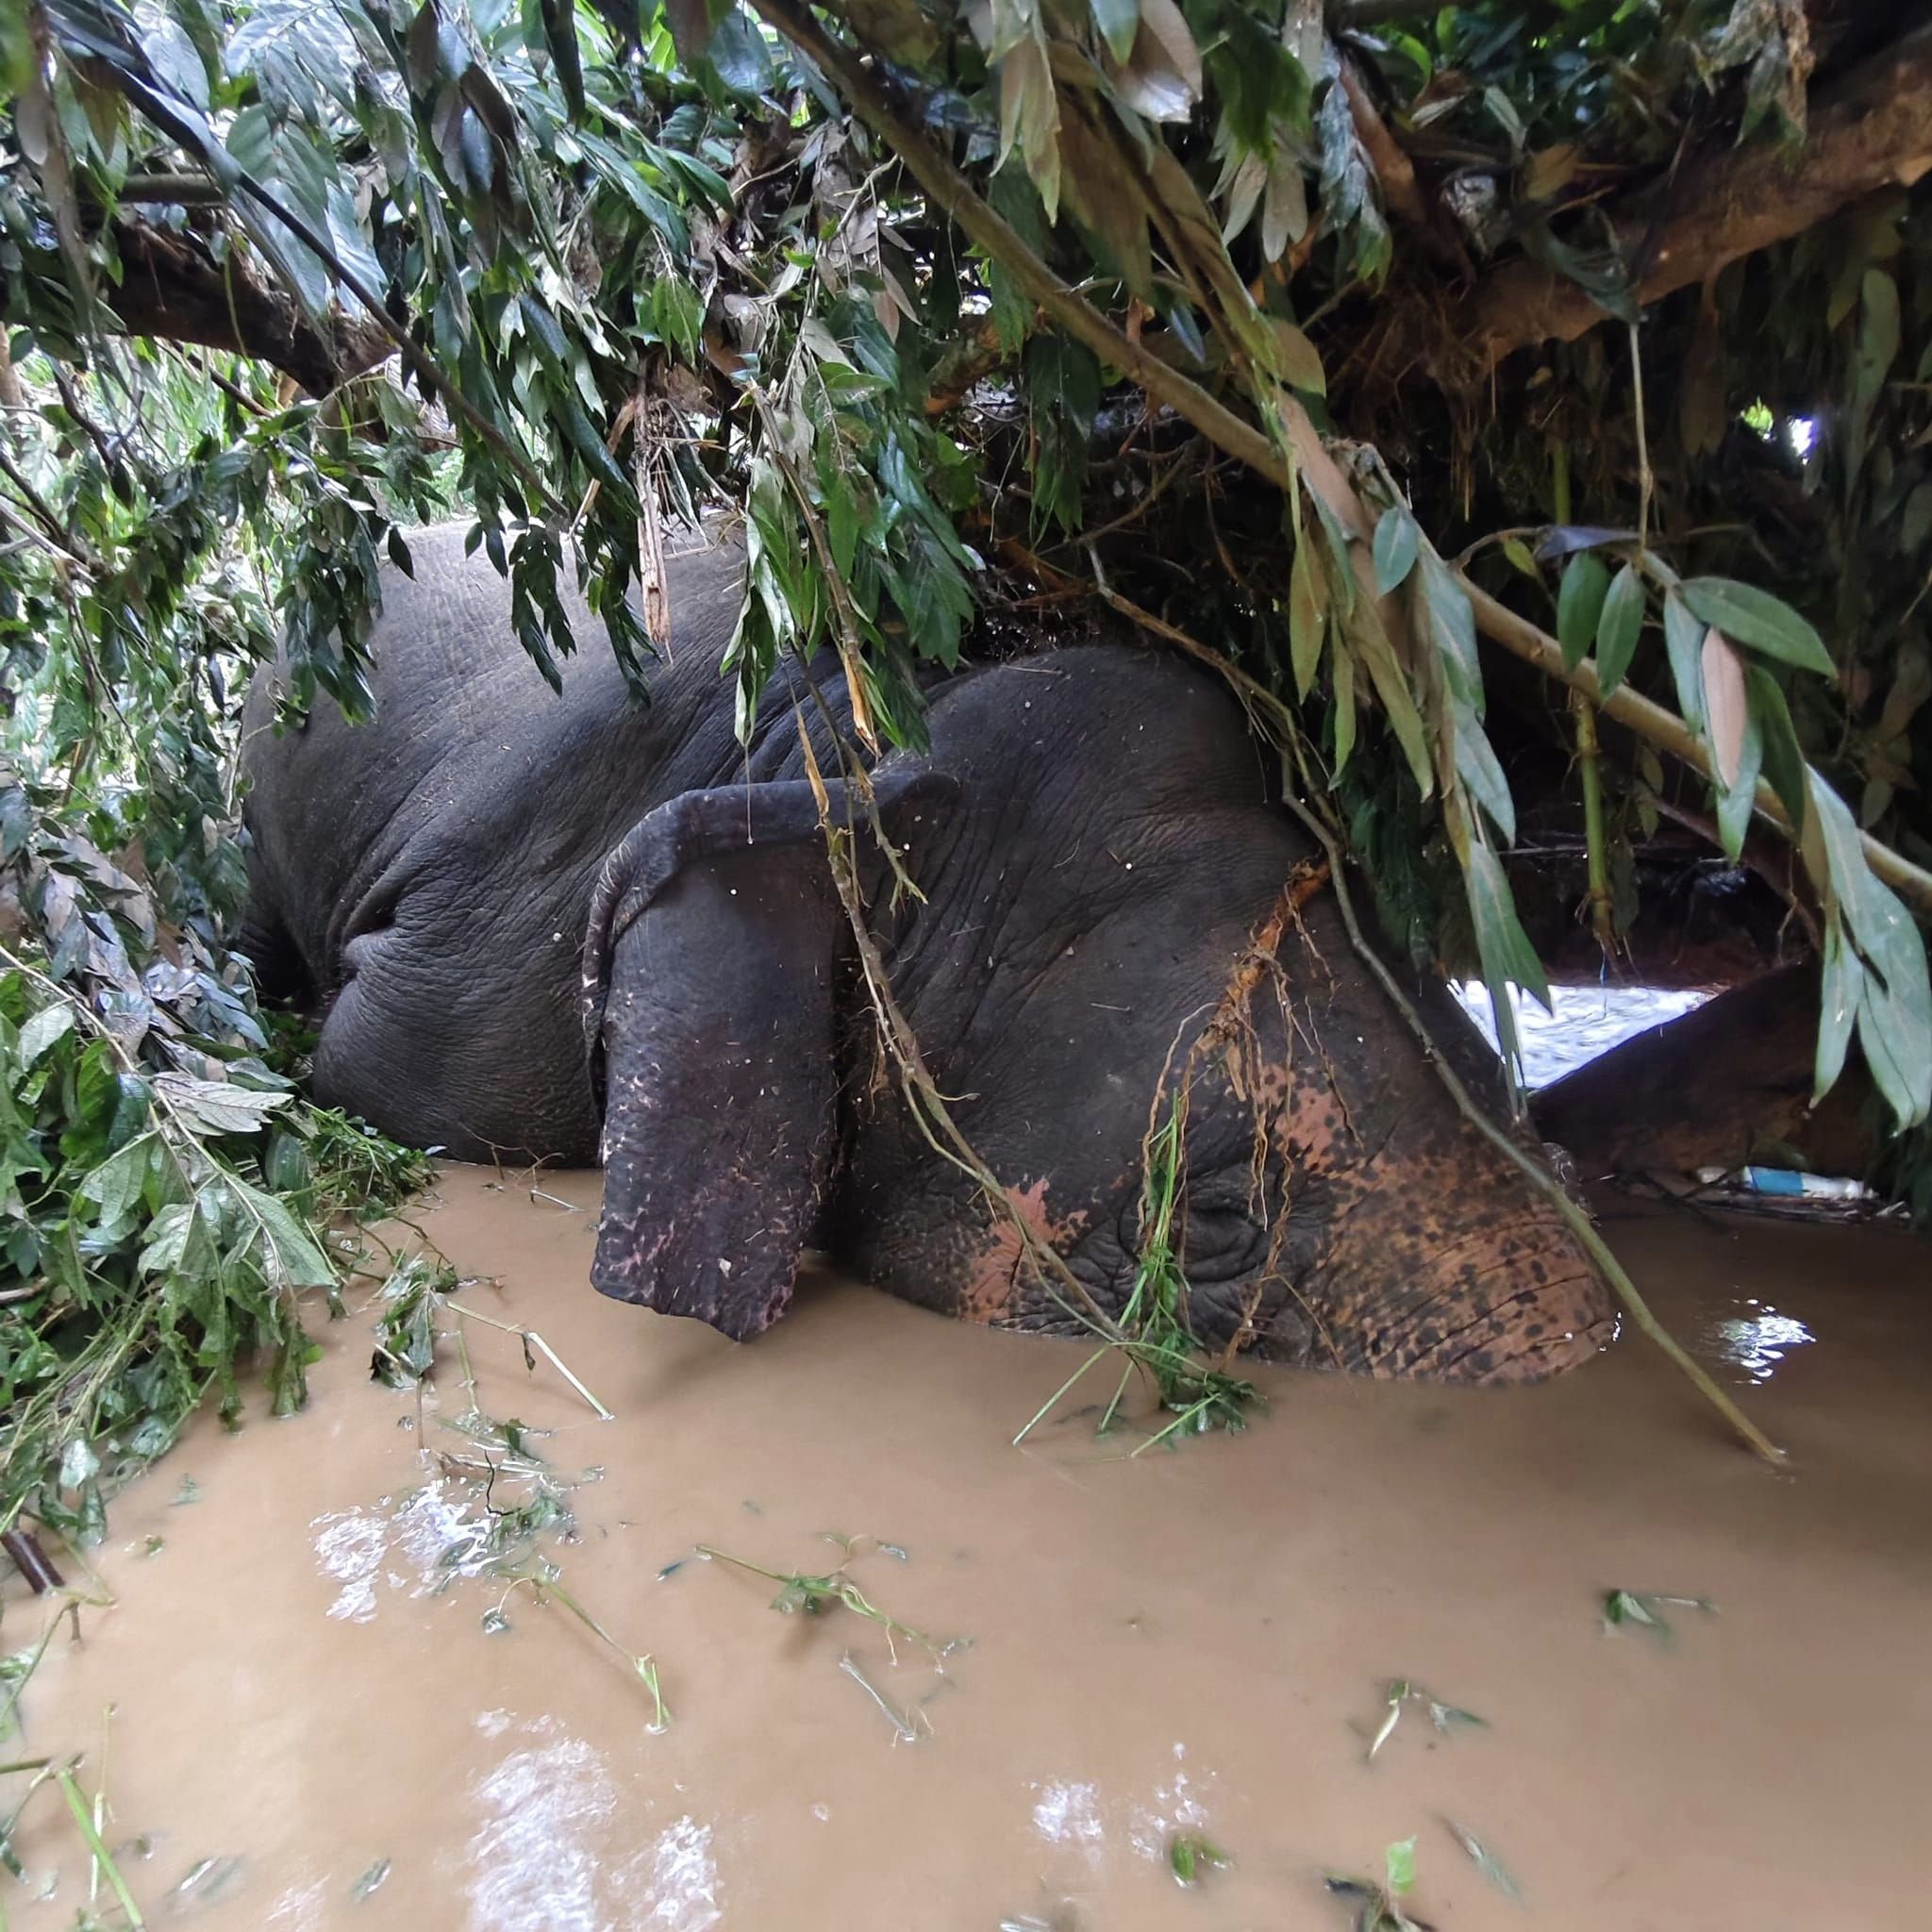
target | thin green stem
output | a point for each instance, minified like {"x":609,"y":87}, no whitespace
{"x":103,"y":1859}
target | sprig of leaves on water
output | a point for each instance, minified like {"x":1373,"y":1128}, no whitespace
{"x":543,"y":1580}
{"x":803,"y":1594}
{"x":1378,"y":1907}
{"x":1152,"y":1336}
{"x":1644,"y":1609}
{"x":1189,"y":1857}
{"x":1445,"y":1717}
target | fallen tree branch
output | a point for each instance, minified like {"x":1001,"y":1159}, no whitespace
{"x":173,"y":291}
{"x":1871,"y":132}
{"x":1668,"y":732}
{"x":1072,"y":313}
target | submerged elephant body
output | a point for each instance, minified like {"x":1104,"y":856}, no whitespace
{"x":1112,"y":912}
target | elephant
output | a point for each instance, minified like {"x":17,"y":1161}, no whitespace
{"x":560,"y":926}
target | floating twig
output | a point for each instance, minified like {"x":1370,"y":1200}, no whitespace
{"x":532,"y":1339}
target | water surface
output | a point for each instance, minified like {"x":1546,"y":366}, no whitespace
{"x":311,"y":1717}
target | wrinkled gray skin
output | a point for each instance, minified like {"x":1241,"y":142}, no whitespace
{"x":460,"y":888}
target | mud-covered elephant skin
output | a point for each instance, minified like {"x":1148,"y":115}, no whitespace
{"x":1112,"y":910}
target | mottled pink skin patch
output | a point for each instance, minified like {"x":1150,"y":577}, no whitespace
{"x":992,"y":1279}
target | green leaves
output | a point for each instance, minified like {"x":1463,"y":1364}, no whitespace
{"x":1619,"y":623}
{"x":1118,"y":21}
{"x":1190,"y":1857}
{"x":1580,"y":605}
{"x":1873,"y":954}
{"x":1397,"y":541}
{"x":1756,"y":618}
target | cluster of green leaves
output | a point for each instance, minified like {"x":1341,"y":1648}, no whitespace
{"x":141,"y":1244}
{"x":162,"y":1189}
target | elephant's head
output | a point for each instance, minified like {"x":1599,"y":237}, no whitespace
{"x":1336,"y":1208}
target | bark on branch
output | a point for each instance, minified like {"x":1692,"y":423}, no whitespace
{"x":171,"y":289}
{"x":1873,"y":131}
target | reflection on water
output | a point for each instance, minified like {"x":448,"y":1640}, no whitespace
{"x":1757,"y":1343}
{"x":1587,"y":1021}
{"x":542,"y":1860}
{"x":532,"y":1867}
{"x":1068,"y":1814}
{"x":435,"y":1532}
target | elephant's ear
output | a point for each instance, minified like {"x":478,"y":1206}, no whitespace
{"x":715,"y":939}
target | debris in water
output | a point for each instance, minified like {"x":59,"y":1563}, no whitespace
{"x":904,"y":1724}
{"x":31,"y":1560}
{"x":1483,"y":1859}
{"x":542,"y":1580}
{"x":1379,"y":1906}
{"x":153,"y":1546}
{"x":190,"y":1491}
{"x":210,"y":1880}
{"x":1445,"y":1717}
{"x":806,"y":1595}
{"x":1188,"y":1858}
{"x":370,"y":1880}
{"x":1646,"y":1608}
{"x":87,"y":1820}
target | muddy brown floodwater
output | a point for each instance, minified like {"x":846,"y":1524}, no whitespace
{"x":313,"y":1726}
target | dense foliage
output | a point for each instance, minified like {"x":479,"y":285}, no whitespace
{"x":1326,"y":338}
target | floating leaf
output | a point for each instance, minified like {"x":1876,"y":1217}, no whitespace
{"x":1399,"y":1863}
{"x":1190,"y":1857}
{"x":1397,"y":1693}
{"x":1646,"y":1609}
{"x":1483,"y":1859}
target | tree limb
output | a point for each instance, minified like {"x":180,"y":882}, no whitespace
{"x":1072,"y":313}
{"x":1873,"y":132}
{"x":1667,"y":731}
{"x":171,"y":289}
